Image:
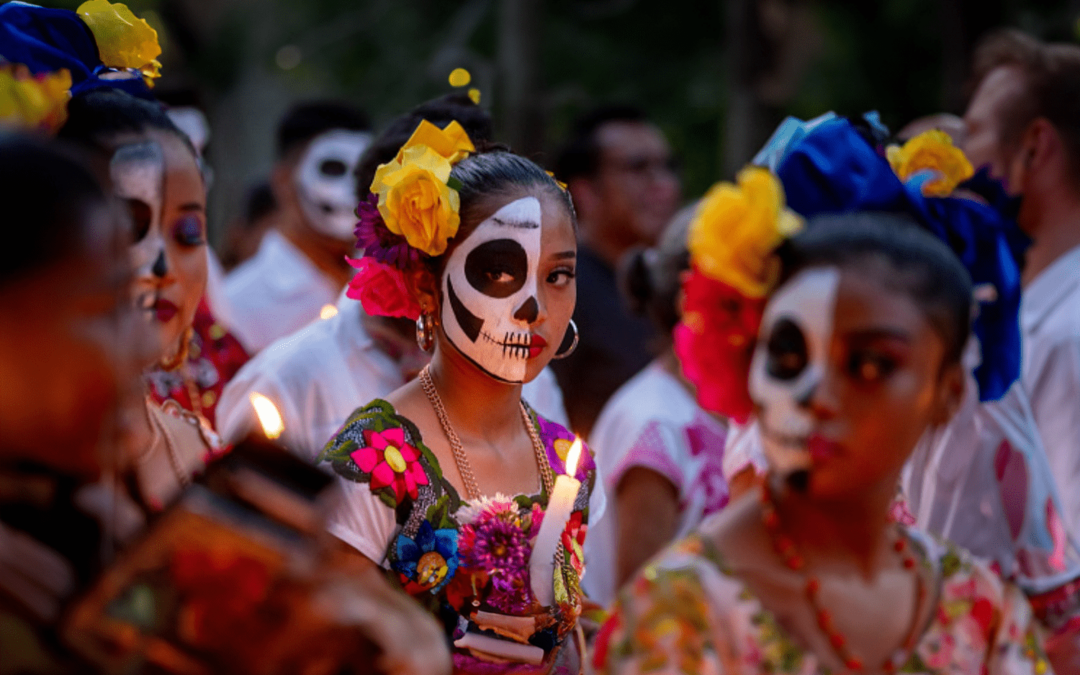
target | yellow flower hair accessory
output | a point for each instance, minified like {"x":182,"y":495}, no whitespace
{"x":736,"y":228}
{"x":934,"y":151}
{"x":416,"y":200}
{"x":33,"y":102}
{"x":123,"y":39}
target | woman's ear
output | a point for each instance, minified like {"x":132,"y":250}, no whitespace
{"x":425,"y":288}
{"x":950,"y":394}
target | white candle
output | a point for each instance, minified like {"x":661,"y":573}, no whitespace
{"x":560,"y":506}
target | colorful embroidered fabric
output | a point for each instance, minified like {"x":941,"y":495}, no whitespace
{"x":214,"y":356}
{"x":687,"y":613}
{"x":467,"y":563}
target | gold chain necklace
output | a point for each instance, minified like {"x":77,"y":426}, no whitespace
{"x":472,"y":489}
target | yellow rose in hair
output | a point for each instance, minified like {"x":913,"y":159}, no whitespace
{"x":415,"y":200}
{"x":934,"y":151}
{"x":123,"y":39}
{"x":452,"y":142}
{"x":736,"y":228}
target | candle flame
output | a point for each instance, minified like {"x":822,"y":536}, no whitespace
{"x":572,"y":457}
{"x":327,"y":312}
{"x":268,"y":414}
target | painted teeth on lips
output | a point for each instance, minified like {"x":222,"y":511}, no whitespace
{"x":536,"y":346}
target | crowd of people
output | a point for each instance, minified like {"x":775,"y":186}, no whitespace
{"x":434,"y":407}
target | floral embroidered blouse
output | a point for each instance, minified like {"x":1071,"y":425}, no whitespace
{"x":468,"y":563}
{"x":687,"y":613}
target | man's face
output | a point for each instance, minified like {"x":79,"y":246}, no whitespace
{"x":984,"y":143}
{"x":637,"y":187}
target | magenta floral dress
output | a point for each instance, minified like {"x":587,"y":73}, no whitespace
{"x":687,"y":613}
{"x":468,"y":563}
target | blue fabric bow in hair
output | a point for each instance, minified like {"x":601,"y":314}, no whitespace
{"x":46,"y":40}
{"x":832,"y":169}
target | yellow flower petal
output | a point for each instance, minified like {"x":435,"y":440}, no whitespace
{"x":737,"y":227}
{"x":123,"y":39}
{"x":474,"y":95}
{"x":452,"y":142}
{"x":933,"y":151}
{"x":33,"y":102}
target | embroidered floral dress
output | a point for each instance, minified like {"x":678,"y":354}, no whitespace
{"x":687,"y":613}
{"x":468,"y":563}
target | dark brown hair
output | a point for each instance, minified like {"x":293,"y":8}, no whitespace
{"x":1051,"y":79}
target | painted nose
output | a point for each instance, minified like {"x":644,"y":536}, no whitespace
{"x":528,"y":311}
{"x":159,"y":268}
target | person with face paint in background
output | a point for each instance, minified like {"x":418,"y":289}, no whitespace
{"x":448,"y":479}
{"x":154,"y":171}
{"x":300,"y":265}
{"x":316,"y":376}
{"x":659,"y":452}
{"x":858,"y":353}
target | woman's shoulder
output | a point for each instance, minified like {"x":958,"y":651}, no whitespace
{"x":557,"y":441}
{"x":385,"y":450}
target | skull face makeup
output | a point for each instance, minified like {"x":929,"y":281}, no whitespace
{"x":490,"y":286}
{"x":789,"y":364}
{"x":325,"y":185}
{"x":138,"y":175}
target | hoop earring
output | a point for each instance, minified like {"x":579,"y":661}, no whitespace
{"x":425,"y":332}
{"x":172,"y":363}
{"x":573,"y":345}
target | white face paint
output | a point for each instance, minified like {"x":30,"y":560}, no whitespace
{"x":138,"y":176}
{"x":326,"y":184}
{"x":489,"y":291}
{"x":789,"y":363}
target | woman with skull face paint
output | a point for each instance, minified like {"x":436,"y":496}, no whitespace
{"x":155,"y":170}
{"x":448,"y":481}
{"x":857,"y":355}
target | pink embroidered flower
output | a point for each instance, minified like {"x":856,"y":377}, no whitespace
{"x":391,"y":462}
{"x":381,"y":289}
{"x":573,"y":538}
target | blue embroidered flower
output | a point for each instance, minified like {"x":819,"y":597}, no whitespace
{"x":430,"y":560}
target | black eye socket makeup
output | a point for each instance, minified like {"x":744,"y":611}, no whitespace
{"x":497,"y":268}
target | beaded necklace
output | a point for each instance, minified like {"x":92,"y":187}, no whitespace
{"x":786,"y":548}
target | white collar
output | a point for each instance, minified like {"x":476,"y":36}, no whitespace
{"x":289,"y":262}
{"x":1049,"y":289}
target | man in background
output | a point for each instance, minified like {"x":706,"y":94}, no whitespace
{"x":620,"y":171}
{"x":1023,"y":122}
{"x":300,"y":265}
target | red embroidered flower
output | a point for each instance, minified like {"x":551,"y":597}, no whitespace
{"x":715,"y":344}
{"x":391,"y":462}
{"x":381,"y":289}
{"x":573,"y":538}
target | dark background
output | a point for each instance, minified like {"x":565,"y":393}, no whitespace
{"x":716,"y":76}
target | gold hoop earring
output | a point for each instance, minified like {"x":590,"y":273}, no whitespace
{"x":425,"y":332}
{"x":573,"y":345}
{"x":174,"y":362}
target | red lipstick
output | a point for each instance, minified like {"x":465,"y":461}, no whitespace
{"x":164,"y":310}
{"x":822,"y":449}
{"x":536,"y":346}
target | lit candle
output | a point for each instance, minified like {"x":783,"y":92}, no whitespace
{"x":560,"y":505}
{"x":268,"y":415}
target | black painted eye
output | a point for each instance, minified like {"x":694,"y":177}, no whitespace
{"x":141,"y":215}
{"x":787,"y":351}
{"x":497,"y":268}
{"x":333,"y":167}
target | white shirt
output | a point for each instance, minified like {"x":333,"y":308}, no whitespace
{"x":320,"y":375}
{"x":275,"y":293}
{"x":1050,"y":326}
{"x":653,"y":422}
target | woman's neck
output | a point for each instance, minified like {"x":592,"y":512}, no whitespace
{"x":479,"y":406}
{"x":854,"y":528}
